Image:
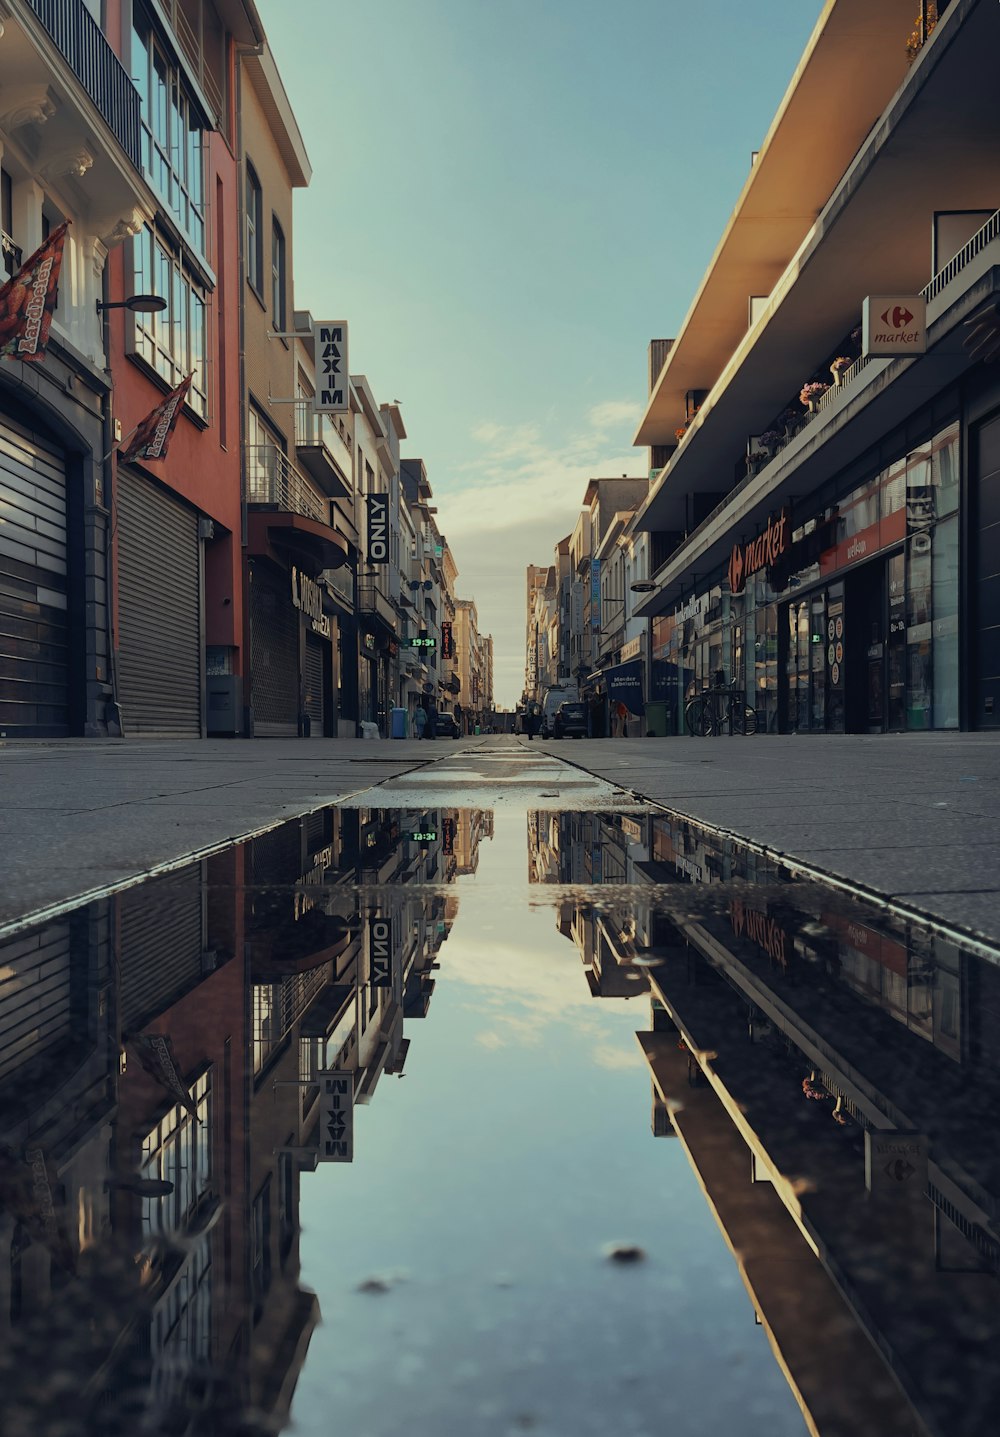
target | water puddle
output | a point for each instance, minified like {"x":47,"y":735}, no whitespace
{"x":496,"y":1119}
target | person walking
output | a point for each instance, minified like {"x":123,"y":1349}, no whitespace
{"x":622,"y":714}
{"x":432,"y":716}
{"x":419,"y":720}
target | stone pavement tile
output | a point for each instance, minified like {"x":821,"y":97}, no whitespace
{"x":931,"y":867}
{"x":977,"y":911}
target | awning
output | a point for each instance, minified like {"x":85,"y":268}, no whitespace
{"x":274,"y":534}
{"x":625,"y":685}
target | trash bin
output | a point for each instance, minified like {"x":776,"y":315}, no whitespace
{"x":656,"y":719}
{"x":397,"y":723}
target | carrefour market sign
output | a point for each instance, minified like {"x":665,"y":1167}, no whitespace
{"x":894,"y":324}
{"x":760,"y":553}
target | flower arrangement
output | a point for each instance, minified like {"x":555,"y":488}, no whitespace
{"x":922,"y":31}
{"x":841,"y":365}
{"x":812,"y":393}
{"x":680,"y":432}
{"x":770,"y":439}
{"x":755,"y":460}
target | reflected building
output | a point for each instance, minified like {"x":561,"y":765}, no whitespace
{"x":831,"y":1073}
{"x":160,"y":1100}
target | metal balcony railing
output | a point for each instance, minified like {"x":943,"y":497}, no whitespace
{"x":92,"y":60}
{"x":10,"y":254}
{"x":273,"y":479}
{"x":320,"y":430}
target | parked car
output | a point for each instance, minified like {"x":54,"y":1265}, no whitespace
{"x":570,"y":721}
{"x":447,"y":726}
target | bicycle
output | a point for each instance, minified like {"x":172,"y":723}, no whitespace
{"x":717,"y":709}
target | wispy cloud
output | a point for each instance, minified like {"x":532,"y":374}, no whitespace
{"x":513,"y":501}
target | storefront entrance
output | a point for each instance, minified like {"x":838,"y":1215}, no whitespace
{"x":815,"y":627}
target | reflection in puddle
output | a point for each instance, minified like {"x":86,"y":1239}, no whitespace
{"x":203,"y":1145}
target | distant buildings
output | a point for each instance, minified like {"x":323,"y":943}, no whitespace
{"x":263,"y":576}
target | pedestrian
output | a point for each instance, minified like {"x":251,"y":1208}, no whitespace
{"x":621,"y":713}
{"x":432,"y":714}
{"x":419,"y":720}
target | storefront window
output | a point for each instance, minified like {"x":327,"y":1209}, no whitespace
{"x":944,"y":609}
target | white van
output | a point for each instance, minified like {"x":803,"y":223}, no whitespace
{"x":568,"y":692}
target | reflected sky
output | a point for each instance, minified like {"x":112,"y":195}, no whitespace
{"x":485,"y":1190}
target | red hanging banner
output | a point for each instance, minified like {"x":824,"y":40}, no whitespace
{"x":28,"y":300}
{"x":152,"y":437}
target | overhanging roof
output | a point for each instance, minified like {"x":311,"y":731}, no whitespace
{"x":853,"y":64}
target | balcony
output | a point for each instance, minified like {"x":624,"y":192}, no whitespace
{"x":79,"y":39}
{"x":272,"y":479}
{"x":322,"y":452}
{"x":287,"y":511}
{"x":373,"y":598}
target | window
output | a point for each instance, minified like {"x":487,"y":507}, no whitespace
{"x":277,"y":275}
{"x":255,"y":233}
{"x":172,"y":131}
{"x":174,"y":341}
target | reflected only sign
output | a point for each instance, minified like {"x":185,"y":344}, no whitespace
{"x":894,"y":324}
{"x":333,"y":382}
{"x":336,"y":1117}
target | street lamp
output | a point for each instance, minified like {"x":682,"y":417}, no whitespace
{"x":137,"y":303}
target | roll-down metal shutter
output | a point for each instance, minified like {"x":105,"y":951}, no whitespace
{"x":159,"y":611}
{"x":34,"y":672}
{"x":161,"y":944}
{"x":274,"y":654}
{"x":36,"y":1012}
{"x":314,"y":705}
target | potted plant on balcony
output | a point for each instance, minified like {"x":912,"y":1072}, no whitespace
{"x":810,"y":394}
{"x":770,"y":441}
{"x":680,"y":432}
{"x":839,"y":368}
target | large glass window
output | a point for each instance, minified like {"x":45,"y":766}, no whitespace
{"x":172,"y":132}
{"x":174,"y":341}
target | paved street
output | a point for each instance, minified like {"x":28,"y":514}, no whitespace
{"x":915,"y":817}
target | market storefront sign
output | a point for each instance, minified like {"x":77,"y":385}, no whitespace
{"x":760,"y":553}
{"x":894,"y":324}
{"x":759,"y":927}
{"x":881,"y":535}
{"x":308,"y":597}
{"x":632,"y":649}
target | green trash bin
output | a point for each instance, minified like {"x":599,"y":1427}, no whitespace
{"x":656,"y":718}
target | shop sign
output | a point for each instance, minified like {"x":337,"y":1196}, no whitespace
{"x":576,"y":606}
{"x":893,"y":324}
{"x":759,"y":927}
{"x":333,"y":385}
{"x":633,"y":649}
{"x":447,"y":835}
{"x":336,"y":1117}
{"x":380,"y":933}
{"x":595,"y":593}
{"x":761,"y":553}
{"x":625,"y":686}
{"x":881,"y":535}
{"x":378,"y":528}
{"x":887,"y":952}
{"x":896,"y":1164}
{"x":368,"y":641}
{"x":308,"y":597}
{"x":447,"y":640}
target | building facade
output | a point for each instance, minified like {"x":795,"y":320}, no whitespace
{"x":843,"y":572}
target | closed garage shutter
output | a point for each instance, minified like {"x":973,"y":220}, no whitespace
{"x":36,"y":991}
{"x":314,"y":687}
{"x":161,"y":945}
{"x":159,"y":617}
{"x":34,"y":648}
{"x":274,"y":654}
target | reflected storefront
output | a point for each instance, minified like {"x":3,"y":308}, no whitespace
{"x":853,"y":626}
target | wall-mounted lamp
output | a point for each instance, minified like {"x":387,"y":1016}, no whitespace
{"x":137,"y":303}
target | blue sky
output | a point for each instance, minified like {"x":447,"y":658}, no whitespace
{"x":509,"y":199}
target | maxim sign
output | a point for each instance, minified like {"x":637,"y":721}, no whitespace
{"x":760,"y":553}
{"x":333,"y":386}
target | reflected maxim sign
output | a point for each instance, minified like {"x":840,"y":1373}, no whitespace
{"x":760,"y":553}
{"x":336,"y":1117}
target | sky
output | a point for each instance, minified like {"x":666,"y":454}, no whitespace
{"x":509,"y":199}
